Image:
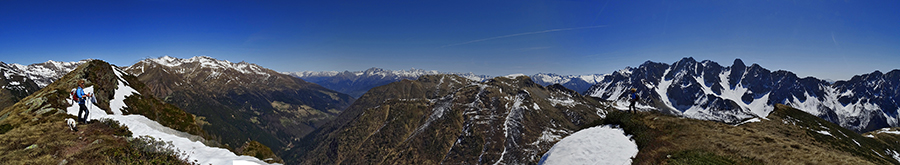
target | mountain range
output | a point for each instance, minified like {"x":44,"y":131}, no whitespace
{"x":19,"y":81}
{"x":579,"y":83}
{"x":709,"y":91}
{"x":357,"y":83}
{"x":264,"y":105}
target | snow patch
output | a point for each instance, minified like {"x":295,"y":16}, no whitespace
{"x":888,"y":130}
{"x":662,"y":88}
{"x":122,"y":91}
{"x":749,"y":121}
{"x":567,"y":102}
{"x":512,"y":76}
{"x":823,"y":132}
{"x":895,"y":155}
{"x":595,"y":145}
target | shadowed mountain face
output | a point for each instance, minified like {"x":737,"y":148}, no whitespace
{"x":707,"y":90}
{"x":241,"y":101}
{"x":14,"y":86}
{"x":450,"y":119}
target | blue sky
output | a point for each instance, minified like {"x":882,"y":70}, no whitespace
{"x":826,"y":39}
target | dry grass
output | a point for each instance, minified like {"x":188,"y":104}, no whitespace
{"x":664,"y":139}
{"x":95,"y":143}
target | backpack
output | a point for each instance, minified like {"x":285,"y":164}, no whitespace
{"x":74,"y":97}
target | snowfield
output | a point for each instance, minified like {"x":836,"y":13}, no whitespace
{"x":142,"y":126}
{"x":595,"y":145}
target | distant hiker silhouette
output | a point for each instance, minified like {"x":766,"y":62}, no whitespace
{"x":80,"y":97}
{"x":634,"y":99}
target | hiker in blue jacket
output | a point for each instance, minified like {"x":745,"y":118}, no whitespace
{"x":81,"y":101}
{"x":634,"y":99}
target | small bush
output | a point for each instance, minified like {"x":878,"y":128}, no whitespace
{"x":156,"y":151}
{"x":118,"y":129}
{"x":5,"y":128}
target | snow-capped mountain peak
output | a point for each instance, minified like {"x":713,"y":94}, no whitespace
{"x":706,"y":90}
{"x":42,"y":73}
{"x":205,"y":62}
{"x":579,"y":83}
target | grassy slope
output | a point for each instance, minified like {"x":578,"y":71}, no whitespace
{"x":789,"y":137}
{"x":33,"y":131}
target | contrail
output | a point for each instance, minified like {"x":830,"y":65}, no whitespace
{"x":526,"y":33}
{"x":835,"y":40}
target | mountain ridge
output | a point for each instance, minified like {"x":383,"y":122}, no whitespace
{"x":272,"y":108}
{"x":356,"y":83}
{"x":124,"y":126}
{"x":707,"y":90}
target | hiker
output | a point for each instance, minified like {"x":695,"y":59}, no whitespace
{"x":81,"y":101}
{"x":634,"y":99}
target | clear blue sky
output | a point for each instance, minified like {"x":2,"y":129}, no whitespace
{"x":826,"y":39}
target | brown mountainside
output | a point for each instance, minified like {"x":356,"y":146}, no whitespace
{"x":241,"y":101}
{"x":450,"y":119}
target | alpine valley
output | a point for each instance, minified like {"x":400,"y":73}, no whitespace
{"x":241,"y":101}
